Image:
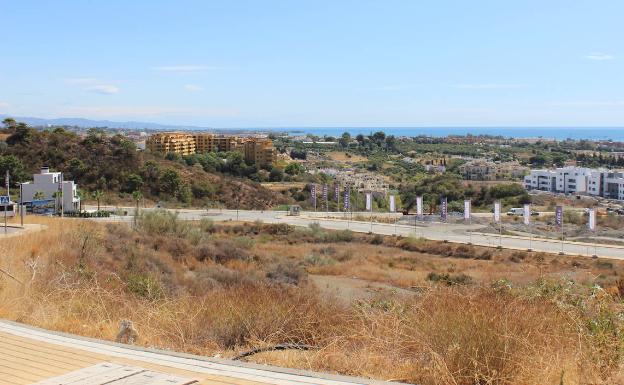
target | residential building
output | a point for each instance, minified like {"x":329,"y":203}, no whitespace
{"x":177,"y":142}
{"x":607,"y":184}
{"x":482,"y":169}
{"x":362,"y":181}
{"x":47,"y":184}
{"x":256,"y":150}
{"x":259,"y":151}
{"x":578,"y":180}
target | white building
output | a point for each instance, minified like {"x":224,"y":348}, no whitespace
{"x":607,"y":184}
{"x":47,"y":183}
{"x":578,"y":180}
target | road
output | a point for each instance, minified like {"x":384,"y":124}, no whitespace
{"x":457,"y":233}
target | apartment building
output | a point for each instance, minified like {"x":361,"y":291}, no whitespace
{"x":256,"y":150}
{"x":180,"y":143}
{"x":45,"y":185}
{"x":607,"y":184}
{"x":259,"y":151}
{"x":578,"y":180}
{"x":481,"y":169}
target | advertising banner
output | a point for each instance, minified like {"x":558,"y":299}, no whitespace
{"x":591,"y":223}
{"x":347,"y":198}
{"x":497,"y":212}
{"x":369,"y":201}
{"x":325,"y":192}
{"x":467,"y":208}
{"x":527,"y":214}
{"x":559,"y":216}
{"x":392,"y":204}
{"x":443,"y":208}
{"x":313,"y":194}
{"x":419,"y":206}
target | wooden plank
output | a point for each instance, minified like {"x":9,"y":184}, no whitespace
{"x":102,"y":373}
{"x":154,"y":378}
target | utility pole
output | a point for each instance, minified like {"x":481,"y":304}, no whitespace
{"x":21,"y":205}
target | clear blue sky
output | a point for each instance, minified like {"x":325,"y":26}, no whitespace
{"x":316,"y":63}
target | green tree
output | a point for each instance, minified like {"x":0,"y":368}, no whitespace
{"x":97,"y":195}
{"x":134,"y":182}
{"x":137,"y":196}
{"x":276,"y":174}
{"x":14,"y":166}
{"x":344,"y":140}
{"x":170,"y":182}
{"x":294,"y":168}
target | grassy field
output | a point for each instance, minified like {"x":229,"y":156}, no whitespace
{"x":382,"y":307}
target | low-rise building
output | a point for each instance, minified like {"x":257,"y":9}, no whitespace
{"x":46,"y":185}
{"x":481,"y":169}
{"x":578,"y":180}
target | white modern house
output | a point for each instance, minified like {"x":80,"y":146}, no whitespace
{"x":607,"y":184}
{"x":578,"y":180}
{"x":48,"y":184}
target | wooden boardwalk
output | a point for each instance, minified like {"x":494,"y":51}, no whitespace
{"x":29,"y":355}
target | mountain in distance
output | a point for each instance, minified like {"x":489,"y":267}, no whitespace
{"x":87,"y":123}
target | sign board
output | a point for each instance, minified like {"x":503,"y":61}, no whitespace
{"x":527,"y":214}
{"x":419,"y":205}
{"x":313,"y":194}
{"x":591,"y":223}
{"x":467,"y":209}
{"x":5,"y":199}
{"x":559,"y":216}
{"x":443,"y":208}
{"x":497,"y":212}
{"x":392,"y":204}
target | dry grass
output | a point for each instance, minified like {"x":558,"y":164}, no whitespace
{"x":82,"y":277}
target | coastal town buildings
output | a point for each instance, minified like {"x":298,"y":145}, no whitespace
{"x":256,"y":150}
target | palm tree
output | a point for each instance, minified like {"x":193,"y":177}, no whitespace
{"x":137,"y":196}
{"x":80,"y":196}
{"x":97,"y":195}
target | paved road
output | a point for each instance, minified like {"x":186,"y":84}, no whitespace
{"x":458,"y":233}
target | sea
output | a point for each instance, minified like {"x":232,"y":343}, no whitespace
{"x":559,"y":133}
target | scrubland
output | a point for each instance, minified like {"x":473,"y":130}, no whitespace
{"x":450,"y":314}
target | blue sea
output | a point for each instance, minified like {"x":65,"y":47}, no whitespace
{"x":559,"y":133}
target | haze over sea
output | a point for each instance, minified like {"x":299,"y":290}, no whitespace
{"x":559,"y":133}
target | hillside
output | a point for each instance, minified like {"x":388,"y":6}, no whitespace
{"x":113,"y":164}
{"x":406,"y":309}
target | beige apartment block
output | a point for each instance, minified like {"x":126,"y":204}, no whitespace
{"x":256,"y":150}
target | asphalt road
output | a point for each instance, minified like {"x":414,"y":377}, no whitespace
{"x":457,"y":233}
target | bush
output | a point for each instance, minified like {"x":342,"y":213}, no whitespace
{"x":144,"y":286}
{"x":449,"y":279}
{"x":286,"y":272}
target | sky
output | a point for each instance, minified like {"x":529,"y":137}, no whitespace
{"x":311,"y":63}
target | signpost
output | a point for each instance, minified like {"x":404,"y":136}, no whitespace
{"x":392,"y":210}
{"x":369,"y":207}
{"x":468,"y":217}
{"x":325,"y":194}
{"x":559,"y":222}
{"x":527,"y":222}
{"x":419,"y":210}
{"x":497,"y":219}
{"x":313,"y":195}
{"x":591,"y":223}
{"x":5,"y":200}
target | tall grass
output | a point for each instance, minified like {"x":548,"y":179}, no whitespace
{"x":77,"y":277}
